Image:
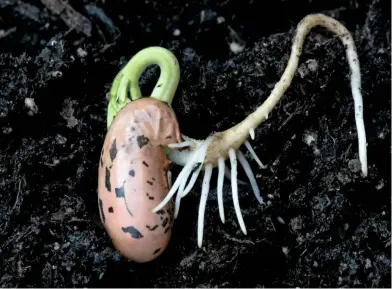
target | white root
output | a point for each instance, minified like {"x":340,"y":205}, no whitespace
{"x":183,"y":144}
{"x":182,"y":185}
{"x":203,"y":200}
{"x":178,"y":197}
{"x":249,"y":173}
{"x":201,"y":152}
{"x":221,"y":172}
{"x":181,"y":177}
{"x":252,"y":152}
{"x":228,"y":176}
{"x":252,"y":133}
{"x":352,"y":57}
{"x":192,"y":181}
{"x":234,"y":188}
{"x":198,"y":155}
{"x":182,"y":194}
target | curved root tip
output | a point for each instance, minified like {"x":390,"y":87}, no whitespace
{"x":253,"y":153}
{"x":252,"y":133}
{"x":251,"y":177}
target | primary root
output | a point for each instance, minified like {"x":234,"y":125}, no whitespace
{"x":237,"y":135}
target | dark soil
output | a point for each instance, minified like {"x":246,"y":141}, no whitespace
{"x":325,"y":225}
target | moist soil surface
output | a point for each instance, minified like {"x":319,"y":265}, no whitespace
{"x":323,"y":225}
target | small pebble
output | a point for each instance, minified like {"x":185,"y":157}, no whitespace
{"x":81,"y":53}
{"x":57,"y":74}
{"x":309,"y":138}
{"x":7,"y":130}
{"x":236,"y":47}
{"x":380,"y":185}
{"x":220,"y":19}
{"x":176,"y":32}
{"x":30,"y":104}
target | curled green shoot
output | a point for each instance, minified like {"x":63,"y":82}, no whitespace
{"x":126,"y":87}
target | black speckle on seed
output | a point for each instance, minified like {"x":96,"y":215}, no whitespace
{"x":160,"y":212}
{"x":169,"y":137}
{"x":150,"y":197}
{"x":167,"y":230}
{"x":146,"y":164}
{"x":151,"y":228}
{"x":111,"y":210}
{"x":164,"y":223}
{"x":101,"y":162}
{"x":113,"y":151}
{"x":132,"y":173}
{"x":120,"y":192}
{"x":153,"y":179}
{"x":107,"y":180}
{"x":156,"y":251}
{"x":101,"y":210}
{"x":142,"y":141}
{"x":149,"y":182}
{"x":133,"y":232}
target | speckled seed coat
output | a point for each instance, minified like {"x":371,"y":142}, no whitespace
{"x":132,"y":178}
